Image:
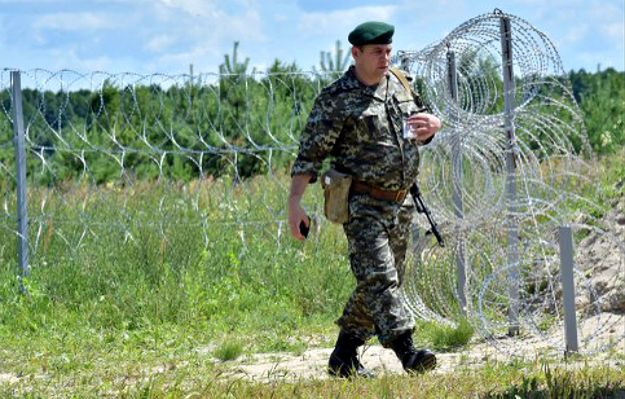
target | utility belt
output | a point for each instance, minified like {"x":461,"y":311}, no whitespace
{"x":362,"y":187}
{"x":336,"y":189}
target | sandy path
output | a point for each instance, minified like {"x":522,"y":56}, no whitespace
{"x":312,"y":363}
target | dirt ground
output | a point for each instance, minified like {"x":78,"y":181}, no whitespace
{"x":312,"y":363}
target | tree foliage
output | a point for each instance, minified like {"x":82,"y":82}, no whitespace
{"x":601,"y":96}
{"x":240,"y":125}
{"x":334,"y":64}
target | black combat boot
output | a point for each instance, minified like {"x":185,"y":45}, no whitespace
{"x":344,"y":361}
{"x":413,"y":360}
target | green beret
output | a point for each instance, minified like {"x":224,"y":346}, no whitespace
{"x":371,"y":32}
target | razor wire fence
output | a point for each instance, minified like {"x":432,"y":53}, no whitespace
{"x":209,"y":154}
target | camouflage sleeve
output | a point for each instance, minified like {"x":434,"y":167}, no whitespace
{"x":318,"y":138}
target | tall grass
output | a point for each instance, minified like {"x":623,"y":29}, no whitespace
{"x":129,"y":278}
{"x":232,"y":274}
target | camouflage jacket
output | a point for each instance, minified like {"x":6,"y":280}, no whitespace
{"x":360,"y":128}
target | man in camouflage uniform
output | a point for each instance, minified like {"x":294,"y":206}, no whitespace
{"x":357,"y":121}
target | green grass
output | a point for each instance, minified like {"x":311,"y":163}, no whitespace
{"x":444,"y":338}
{"x":174,"y":373}
{"x":229,"y":350}
{"x":196,"y":277}
{"x":174,"y":270}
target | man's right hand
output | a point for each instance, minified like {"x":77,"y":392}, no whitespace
{"x":297,"y":215}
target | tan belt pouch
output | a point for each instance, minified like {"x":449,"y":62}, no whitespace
{"x":336,"y":187}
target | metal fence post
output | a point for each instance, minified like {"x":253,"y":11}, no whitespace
{"x":20,"y":160}
{"x":513,"y":228}
{"x":568,"y":288}
{"x":457,"y":181}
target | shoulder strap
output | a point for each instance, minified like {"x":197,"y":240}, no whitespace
{"x":399,"y":74}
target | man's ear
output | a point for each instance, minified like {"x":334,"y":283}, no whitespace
{"x":355,"y":52}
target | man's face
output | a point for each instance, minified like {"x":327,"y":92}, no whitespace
{"x":373,"y":59}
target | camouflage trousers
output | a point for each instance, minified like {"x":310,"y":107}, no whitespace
{"x":377,"y":235}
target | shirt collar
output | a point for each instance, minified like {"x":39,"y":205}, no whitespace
{"x":351,"y":82}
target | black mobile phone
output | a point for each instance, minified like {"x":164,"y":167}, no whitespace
{"x":303,"y":229}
